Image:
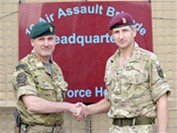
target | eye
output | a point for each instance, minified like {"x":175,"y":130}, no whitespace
{"x":51,"y":38}
{"x":116,"y":32}
{"x":41,"y":39}
{"x":125,"y":30}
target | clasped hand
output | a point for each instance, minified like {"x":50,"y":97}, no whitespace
{"x":81,"y":111}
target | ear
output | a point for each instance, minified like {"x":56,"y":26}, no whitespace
{"x":32,"y":42}
{"x":134,"y":31}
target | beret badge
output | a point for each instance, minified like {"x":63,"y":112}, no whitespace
{"x":51,"y":29}
{"x":124,"y":21}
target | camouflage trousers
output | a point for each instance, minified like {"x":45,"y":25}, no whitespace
{"x":133,"y":129}
{"x":44,"y":129}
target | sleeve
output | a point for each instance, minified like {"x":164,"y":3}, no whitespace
{"x":159,"y":85}
{"x":107,"y":80}
{"x":23,"y":83}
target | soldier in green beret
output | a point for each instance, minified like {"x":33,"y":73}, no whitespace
{"x":40,"y":87}
{"x":137,"y":89}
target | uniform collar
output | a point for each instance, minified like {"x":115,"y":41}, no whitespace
{"x":133,"y":57}
{"x":50,"y":60}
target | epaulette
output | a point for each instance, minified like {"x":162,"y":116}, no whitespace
{"x":21,"y":66}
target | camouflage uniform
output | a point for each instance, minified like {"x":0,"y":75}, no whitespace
{"x":33,"y":78}
{"x":129,"y":90}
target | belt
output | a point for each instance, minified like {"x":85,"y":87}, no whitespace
{"x":48,"y":129}
{"x":133,"y":121}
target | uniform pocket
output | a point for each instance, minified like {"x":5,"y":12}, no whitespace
{"x":45,"y":89}
{"x":137,"y":79}
{"x":63,"y":85}
{"x":138,"y":90}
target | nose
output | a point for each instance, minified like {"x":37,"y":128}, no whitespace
{"x":121,"y":35}
{"x":46,"y":43}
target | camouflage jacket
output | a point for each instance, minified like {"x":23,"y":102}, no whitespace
{"x":33,"y":78}
{"x":134,"y":88}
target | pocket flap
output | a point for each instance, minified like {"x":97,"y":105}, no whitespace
{"x":137,"y":79}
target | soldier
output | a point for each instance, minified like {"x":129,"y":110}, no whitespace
{"x":136,"y":85}
{"x":40,"y":87}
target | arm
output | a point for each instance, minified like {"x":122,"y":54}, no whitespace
{"x":39,"y":105}
{"x":162,"y":114}
{"x":99,"y":107}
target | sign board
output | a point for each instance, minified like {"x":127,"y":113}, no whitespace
{"x":83,"y":40}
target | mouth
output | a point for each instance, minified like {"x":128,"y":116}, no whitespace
{"x":122,"y":42}
{"x":46,"y":49}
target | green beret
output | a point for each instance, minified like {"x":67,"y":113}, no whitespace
{"x":41,"y":29}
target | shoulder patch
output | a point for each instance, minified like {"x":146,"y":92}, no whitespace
{"x":159,"y":70}
{"x":21,"y":78}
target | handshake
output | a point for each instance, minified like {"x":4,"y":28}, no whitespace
{"x":79,"y":110}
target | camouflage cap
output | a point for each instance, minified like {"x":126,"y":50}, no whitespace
{"x":42,"y":28}
{"x":122,"y":19}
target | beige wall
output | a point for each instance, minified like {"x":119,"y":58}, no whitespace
{"x":164,"y":18}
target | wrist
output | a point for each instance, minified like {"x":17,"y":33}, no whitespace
{"x":68,"y":107}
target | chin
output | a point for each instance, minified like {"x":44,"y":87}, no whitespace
{"x":46,"y":54}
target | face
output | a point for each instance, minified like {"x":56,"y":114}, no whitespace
{"x":124,"y":36}
{"x":44,"y":46}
